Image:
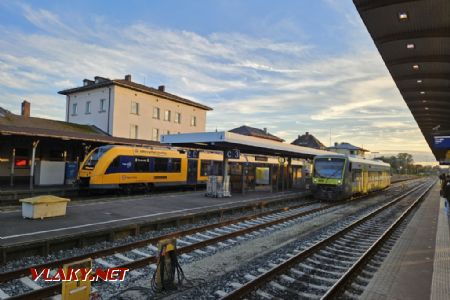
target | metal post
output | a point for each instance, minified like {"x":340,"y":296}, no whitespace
{"x":33,"y":157}
{"x":271,"y":177}
{"x":13,"y":164}
{"x":243,"y":179}
{"x":289,"y":170}
{"x":225,"y":172}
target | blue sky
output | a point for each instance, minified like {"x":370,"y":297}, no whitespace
{"x":290,"y":66}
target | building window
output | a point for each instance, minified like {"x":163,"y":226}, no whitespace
{"x":156,"y":113}
{"x":167,"y":115}
{"x":134,"y":108}
{"x":177,"y":118}
{"x":88,"y":107}
{"x":168,"y":131}
{"x":194,"y":121}
{"x":155,"y":134}
{"x":74,"y":109}
{"x":102,"y":105}
{"x":133,"y":131}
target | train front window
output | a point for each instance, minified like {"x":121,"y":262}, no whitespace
{"x":95,"y":156}
{"x":329,"y":167}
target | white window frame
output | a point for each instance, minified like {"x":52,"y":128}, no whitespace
{"x":135,"y":104}
{"x":74,"y":109}
{"x":155,"y":108}
{"x":155,"y":138}
{"x":134,"y":131}
{"x":194,"y":121}
{"x":102,"y":105}
{"x":88,"y":107}
{"x":177,"y":118}
{"x":167,"y":115}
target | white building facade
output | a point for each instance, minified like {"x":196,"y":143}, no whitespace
{"x":123,"y":108}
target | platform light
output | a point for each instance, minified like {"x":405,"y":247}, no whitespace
{"x":410,"y":46}
{"x":426,"y":108}
{"x":415,"y":67}
{"x":402,"y":16}
{"x":422,"y":93}
{"x":424,"y":101}
{"x":419,"y":80}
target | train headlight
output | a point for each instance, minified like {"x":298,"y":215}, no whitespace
{"x":339,"y":181}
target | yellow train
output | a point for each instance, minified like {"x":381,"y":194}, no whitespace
{"x":130,"y":168}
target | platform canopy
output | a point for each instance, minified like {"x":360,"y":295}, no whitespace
{"x":413,"y":38}
{"x":225,"y":140}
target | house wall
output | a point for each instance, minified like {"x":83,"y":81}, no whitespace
{"x":123,"y":118}
{"x":96,"y":116}
{"x":120,"y":117}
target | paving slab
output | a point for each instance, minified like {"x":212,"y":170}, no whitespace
{"x":417,"y":267}
{"x":94,"y":216}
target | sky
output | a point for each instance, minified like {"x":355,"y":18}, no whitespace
{"x":291,"y":66}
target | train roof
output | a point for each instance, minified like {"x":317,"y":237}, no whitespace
{"x":355,"y":159}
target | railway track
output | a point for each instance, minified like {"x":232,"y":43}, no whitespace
{"x":143,"y":253}
{"x":323,"y":270}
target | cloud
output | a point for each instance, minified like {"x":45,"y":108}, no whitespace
{"x":286,"y":86}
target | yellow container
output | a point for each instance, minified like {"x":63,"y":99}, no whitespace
{"x":44,"y":207}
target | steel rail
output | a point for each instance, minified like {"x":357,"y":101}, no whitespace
{"x":56,"y":288}
{"x":140,"y":263}
{"x":14,"y":274}
{"x":340,"y":285}
{"x":254,"y":284}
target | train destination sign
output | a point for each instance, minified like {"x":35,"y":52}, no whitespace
{"x":442,"y":142}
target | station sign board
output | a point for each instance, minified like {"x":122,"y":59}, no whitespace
{"x":442,"y":142}
{"x":232,"y":154}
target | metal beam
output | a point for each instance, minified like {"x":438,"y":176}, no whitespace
{"x":423,"y":76}
{"x":368,"y":5}
{"x":424,"y":88}
{"x":419,"y":59}
{"x":411,"y":35}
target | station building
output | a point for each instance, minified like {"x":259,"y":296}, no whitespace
{"x":53,"y":145}
{"x":126,"y":109}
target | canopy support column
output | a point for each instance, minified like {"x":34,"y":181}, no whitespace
{"x":33,"y":158}
{"x":13,"y":164}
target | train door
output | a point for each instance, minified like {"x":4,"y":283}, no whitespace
{"x":365,"y":175}
{"x":192,"y":171}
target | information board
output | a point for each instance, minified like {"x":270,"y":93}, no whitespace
{"x":442,"y":142}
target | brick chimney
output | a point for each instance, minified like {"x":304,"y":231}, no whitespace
{"x":162,"y":88}
{"x":128,"y":77}
{"x":26,"y":108}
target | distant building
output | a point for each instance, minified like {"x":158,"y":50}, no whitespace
{"x":123,"y":108}
{"x":256,"y":132}
{"x":308,"y":140}
{"x":347,"y":148}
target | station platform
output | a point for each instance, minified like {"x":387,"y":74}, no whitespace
{"x":97,"y":218}
{"x":418,"y":266}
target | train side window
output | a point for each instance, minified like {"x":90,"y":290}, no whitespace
{"x":161,"y":165}
{"x":174,"y":165}
{"x":113,"y":166}
{"x":205,"y":167}
{"x":142,"y":164}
